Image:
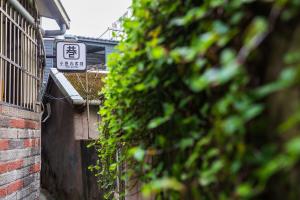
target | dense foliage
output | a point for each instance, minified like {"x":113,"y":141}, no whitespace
{"x":201,"y":103}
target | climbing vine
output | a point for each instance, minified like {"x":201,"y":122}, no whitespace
{"x":201,"y":103}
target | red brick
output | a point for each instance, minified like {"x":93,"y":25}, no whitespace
{"x":3,"y":168}
{"x":10,"y":166}
{"x":4,"y":144}
{"x":15,"y":186}
{"x":21,"y":123}
{"x":35,"y":168}
{"x":31,"y":143}
{"x":27,"y":143}
{"x":3,"y":192}
{"x":14,"y":165}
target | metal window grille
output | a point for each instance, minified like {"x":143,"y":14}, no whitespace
{"x":20,"y":63}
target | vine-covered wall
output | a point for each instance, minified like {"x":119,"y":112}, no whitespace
{"x":201,"y":101}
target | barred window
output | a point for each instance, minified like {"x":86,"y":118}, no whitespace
{"x":20,"y":64}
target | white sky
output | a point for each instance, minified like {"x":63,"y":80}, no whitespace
{"x":91,"y":17}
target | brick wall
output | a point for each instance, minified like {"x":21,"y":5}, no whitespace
{"x":19,"y":154}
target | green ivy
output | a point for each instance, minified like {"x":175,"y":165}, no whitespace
{"x":189,"y":102}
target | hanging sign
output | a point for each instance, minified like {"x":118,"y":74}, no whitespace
{"x":71,"y":56}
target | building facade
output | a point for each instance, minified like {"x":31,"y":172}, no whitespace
{"x":70,"y":122}
{"x":21,"y":72}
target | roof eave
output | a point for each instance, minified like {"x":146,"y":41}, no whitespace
{"x":54,"y":9}
{"x":68,"y":90}
{"x":66,"y":87}
{"x":64,"y":14}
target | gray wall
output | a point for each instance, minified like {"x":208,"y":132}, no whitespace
{"x":64,"y":160}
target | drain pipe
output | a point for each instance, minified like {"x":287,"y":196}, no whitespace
{"x":19,"y":7}
{"x":48,"y":33}
{"x":61,"y":31}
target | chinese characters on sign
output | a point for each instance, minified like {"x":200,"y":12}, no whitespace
{"x":71,"y":51}
{"x":71,"y":56}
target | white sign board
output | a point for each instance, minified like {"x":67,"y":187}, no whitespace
{"x":71,"y":56}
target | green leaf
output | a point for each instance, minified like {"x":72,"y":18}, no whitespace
{"x":233,"y":124}
{"x":113,"y":167}
{"x":208,"y":175}
{"x":255,"y":30}
{"x":293,"y":146}
{"x":290,"y":123}
{"x":227,"y":56}
{"x":244,"y":190}
{"x":252,"y":112}
{"x":137,"y":153}
{"x":156,"y":122}
{"x":187,"y":142}
{"x":158,"y":52}
{"x":168,"y":112}
{"x":292,"y":57}
{"x":162,"y":184}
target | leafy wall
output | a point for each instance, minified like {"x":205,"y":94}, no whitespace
{"x":202,"y":101}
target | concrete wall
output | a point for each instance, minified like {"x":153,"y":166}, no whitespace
{"x":82,"y":124}
{"x":64,"y":160}
{"x":19,"y":154}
